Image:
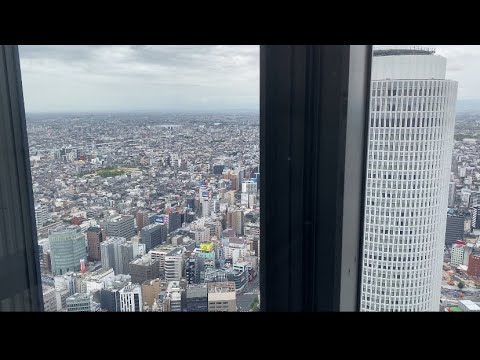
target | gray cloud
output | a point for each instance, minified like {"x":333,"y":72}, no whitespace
{"x":123,"y":78}
{"x":171,"y":77}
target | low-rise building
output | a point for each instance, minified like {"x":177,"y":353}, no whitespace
{"x":222,"y":297}
{"x":131,"y":298}
{"x":80,"y":303}
{"x":468,"y":306}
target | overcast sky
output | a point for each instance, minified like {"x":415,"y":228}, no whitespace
{"x":171,"y":77}
{"x":132,"y":78}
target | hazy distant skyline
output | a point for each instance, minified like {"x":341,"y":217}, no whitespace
{"x":187,"y":78}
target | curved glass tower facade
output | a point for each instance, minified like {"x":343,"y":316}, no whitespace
{"x":412,"y":119}
{"x":67,"y":247}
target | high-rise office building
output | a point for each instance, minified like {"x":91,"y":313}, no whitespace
{"x":110,"y":295}
{"x":412,"y":118}
{"x":197,"y":298}
{"x":111,"y":254}
{"x":124,"y":256}
{"x":144,"y":268}
{"x":121,"y":226}
{"x":455,"y":227}
{"x":67,"y":248}
{"x":154,"y":235}
{"x":95,"y":236}
{"x":142,"y":219}
{"x":236,"y":221}
{"x":175,"y":221}
{"x":41,"y":215}
{"x":174,"y":264}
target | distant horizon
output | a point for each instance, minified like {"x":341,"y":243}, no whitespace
{"x":462,"y":105}
{"x":146,"y":111}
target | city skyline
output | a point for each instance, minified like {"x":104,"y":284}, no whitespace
{"x":166,"y":203}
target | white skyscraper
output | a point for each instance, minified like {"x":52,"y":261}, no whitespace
{"x":412,"y":118}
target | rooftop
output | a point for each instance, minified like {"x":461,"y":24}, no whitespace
{"x":151,"y":226}
{"x":176,"y":252}
{"x":119,"y":218}
{"x":113,"y":239}
{"x":403,"y":51}
{"x":144,"y":260}
{"x":131,"y":287}
{"x":470,"y":305}
{"x":79,"y":296}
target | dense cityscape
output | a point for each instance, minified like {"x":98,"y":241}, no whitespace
{"x":461,"y":268}
{"x":147,"y":212}
{"x":159,"y":212}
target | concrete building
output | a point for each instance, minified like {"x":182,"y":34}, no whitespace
{"x":230,"y":197}
{"x":409,"y":161}
{"x":222,"y":297}
{"x":249,"y":187}
{"x":451,"y":194}
{"x":131,"y":298}
{"x":67,"y":248}
{"x":49,"y":299}
{"x":476,"y":217}
{"x":197,"y":298}
{"x":142,"y":219}
{"x":159,"y":254}
{"x":110,"y":295}
{"x":80,"y":303}
{"x":41,"y":215}
{"x":175,"y":221}
{"x":238,"y":274}
{"x":468,"y":306}
{"x":123,"y":256}
{"x":121,"y":226}
{"x":458,"y":250}
{"x":201,"y":234}
{"x":173,"y":298}
{"x":96,"y":280}
{"x":194,"y":269}
{"x":95,"y":236}
{"x":235,"y":221}
{"x":469,"y":248}
{"x":111,"y":254}
{"x":474,"y":264}
{"x":151,"y":289}
{"x":174,"y":264}
{"x":144,"y":269}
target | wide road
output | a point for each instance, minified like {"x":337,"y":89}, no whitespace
{"x":245,"y":299}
